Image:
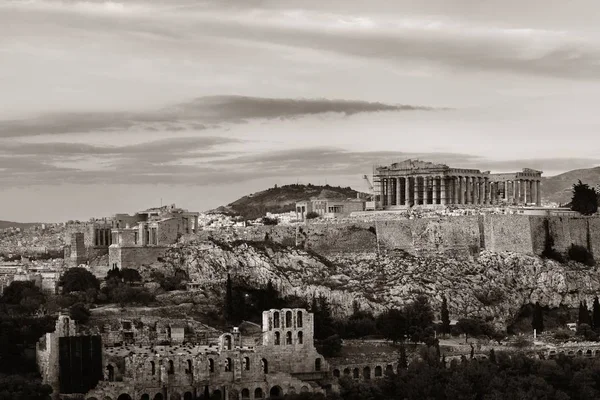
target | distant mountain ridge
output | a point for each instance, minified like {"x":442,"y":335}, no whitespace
{"x":559,"y":188}
{"x":22,"y":225}
{"x":281,"y":199}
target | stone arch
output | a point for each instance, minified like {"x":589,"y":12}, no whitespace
{"x":588,"y":353}
{"x":175,"y":396}
{"x":190,"y":367}
{"x":336,"y":373}
{"x":153,"y":367}
{"x":107,"y":398}
{"x":228,"y":366}
{"x":158,"y":396}
{"x":304,"y":389}
{"x":299,"y":319}
{"x":367,"y":372}
{"x":110,"y":373}
{"x":378,"y":371}
{"x":597,"y":353}
{"x":171,"y":369}
{"x":580,"y":353}
{"x":247,"y":363}
{"x":265,"y":365}
{"x":276,"y":319}
{"x":276,"y":392}
{"x":288,"y":337}
{"x":288,"y":319}
{"x":216,"y":395}
{"x":188,"y":396}
{"x":277,"y":338}
{"x":211,"y":365}
{"x":318,"y":364}
{"x":258,"y":393}
{"x":145,"y":396}
{"x":355,"y":373}
{"x":291,"y":390}
{"x":227,"y":342}
{"x":124,"y":396}
{"x":346,"y":371}
{"x":245,"y":393}
{"x":300,"y":337}
{"x":92,"y":398}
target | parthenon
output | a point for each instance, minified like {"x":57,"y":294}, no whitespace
{"x":419,"y":183}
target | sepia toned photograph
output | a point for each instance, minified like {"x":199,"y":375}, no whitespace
{"x":299,"y":200}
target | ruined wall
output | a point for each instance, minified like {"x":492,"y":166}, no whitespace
{"x":133,"y":257}
{"x":169,"y":231}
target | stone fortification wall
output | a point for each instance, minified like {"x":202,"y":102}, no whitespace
{"x":132,"y":257}
{"x":453,"y":235}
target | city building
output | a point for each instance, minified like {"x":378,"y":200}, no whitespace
{"x":418,"y":183}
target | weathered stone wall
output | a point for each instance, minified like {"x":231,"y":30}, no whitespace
{"x":169,"y":230}
{"x":508,"y":233}
{"x":132,"y":257}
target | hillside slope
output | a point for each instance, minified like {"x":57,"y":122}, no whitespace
{"x":280,"y":199}
{"x":559,"y":188}
{"x":495,"y":285}
{"x":22,"y":225}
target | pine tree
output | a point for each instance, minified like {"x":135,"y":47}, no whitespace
{"x":402,"y":362}
{"x":596,"y":314}
{"x":537,"y":322}
{"x":584,"y":314}
{"x":229,"y":310}
{"x":585,"y":199}
{"x":445,"y":317}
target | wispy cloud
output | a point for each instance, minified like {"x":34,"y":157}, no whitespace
{"x":193,"y":115}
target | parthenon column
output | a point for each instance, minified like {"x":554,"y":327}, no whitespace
{"x":515,"y":195}
{"x":456,"y":187}
{"x":443,"y":191}
{"x":407,"y":191}
{"x":538,"y":199}
{"x":435,"y":190}
{"x":475,"y":190}
{"x":416,"y":191}
{"x":426,"y":190}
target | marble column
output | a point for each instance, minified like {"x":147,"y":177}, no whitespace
{"x":538,"y":191}
{"x":389,"y":192}
{"x":416,"y":191}
{"x":407,"y":191}
{"x":456,"y":190}
{"x":515,"y":191}
{"x":435,"y":190}
{"x":443,"y":191}
{"x":426,"y":190}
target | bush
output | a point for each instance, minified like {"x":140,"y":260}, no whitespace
{"x":270,"y":221}
{"x":79,"y":312}
{"x":312,"y":215}
{"x":562,"y":334}
{"x":581,"y":255}
{"x":78,"y":280}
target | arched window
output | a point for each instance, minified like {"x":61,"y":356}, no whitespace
{"x":347,"y":371}
{"x":171,"y":368}
{"x":300,"y":337}
{"x":355,"y":373}
{"x":389,"y":370}
{"x":247,"y":363}
{"x":258,"y":393}
{"x":211,"y":365}
{"x":276,"y":392}
{"x":318,"y":364}
{"x":189,"y":367}
{"x":245,"y":394}
{"x":378,"y":371}
{"x":288,"y":338}
{"x":276,"y":319}
{"x":277,"y":338}
{"x":367,"y":373}
{"x":299,"y":320}
{"x":111,"y":373}
{"x":265,"y":365}
{"x":228,"y":365}
{"x":228,"y":342}
{"x":153,"y":367}
{"x":169,"y":332}
{"x":288,"y":319}
{"x":336,"y":373}
{"x":145,"y":396}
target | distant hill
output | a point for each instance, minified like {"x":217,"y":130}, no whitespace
{"x":559,"y":188}
{"x":281,"y":199}
{"x":23,"y":225}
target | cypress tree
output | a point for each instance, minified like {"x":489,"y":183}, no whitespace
{"x":445,"y":317}
{"x":402,"y":362}
{"x":229,"y":299}
{"x":537,"y":322}
{"x":596,"y":313}
{"x":492,"y":356}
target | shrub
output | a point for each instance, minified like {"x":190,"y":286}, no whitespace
{"x":312,"y":215}
{"x":562,"y":334}
{"x":581,"y":255}
{"x":270,"y":221}
{"x":79,"y":312}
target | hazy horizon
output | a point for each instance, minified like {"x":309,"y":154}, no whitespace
{"x":109,"y":106}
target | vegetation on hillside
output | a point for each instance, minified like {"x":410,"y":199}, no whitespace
{"x":585,"y":199}
{"x":558,"y":188}
{"x":279,"y":199}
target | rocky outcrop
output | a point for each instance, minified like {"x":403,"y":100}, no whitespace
{"x":494,"y":285}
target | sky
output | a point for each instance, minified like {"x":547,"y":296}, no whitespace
{"x":117,"y":106}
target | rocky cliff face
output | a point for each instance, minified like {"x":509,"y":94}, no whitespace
{"x":491,"y":285}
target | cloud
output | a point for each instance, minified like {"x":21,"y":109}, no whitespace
{"x":192,"y":115}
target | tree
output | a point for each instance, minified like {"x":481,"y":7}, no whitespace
{"x":270,"y":221}
{"x":79,"y":312}
{"x":229,"y":299}
{"x":596,"y":314}
{"x":312,"y":215}
{"x":419,"y":312}
{"x":402,"y":361}
{"x":537,"y":321}
{"x":130,"y":275}
{"x":23,"y":297}
{"x":393,"y":325}
{"x":78,"y":280}
{"x":323,"y":320}
{"x":584,"y":314}
{"x":445,"y":317}
{"x":585,"y":199}
{"x":330,"y":346}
